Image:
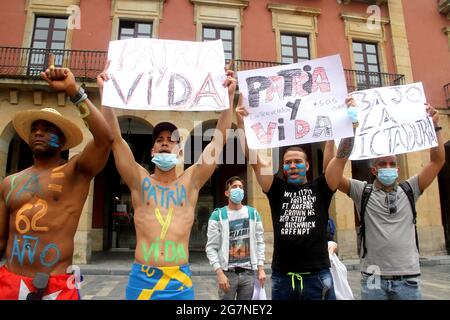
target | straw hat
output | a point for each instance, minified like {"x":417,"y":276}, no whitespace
{"x":23,"y":119}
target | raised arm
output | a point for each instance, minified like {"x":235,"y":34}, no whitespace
{"x":4,"y":219}
{"x":94,"y":156}
{"x":207,"y":162}
{"x":261,"y":167}
{"x":437,"y":155}
{"x":328,"y":154}
{"x":334,"y":173}
{"x":123,"y":156}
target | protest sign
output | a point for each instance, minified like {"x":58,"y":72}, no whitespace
{"x":295,"y":104}
{"x":392,"y":120}
{"x":154,"y":74}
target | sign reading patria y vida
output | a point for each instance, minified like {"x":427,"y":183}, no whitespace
{"x":392,"y":120}
{"x":295,"y":104}
{"x":154,"y":74}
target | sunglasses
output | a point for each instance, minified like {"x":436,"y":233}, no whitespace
{"x":391,"y":200}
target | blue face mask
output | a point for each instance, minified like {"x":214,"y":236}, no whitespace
{"x":301,"y":167}
{"x":165,"y":161}
{"x":387,"y":176}
{"x":236,"y":195}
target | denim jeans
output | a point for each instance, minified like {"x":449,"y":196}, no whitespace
{"x":375,"y":288}
{"x":302,"y":286}
{"x":241,"y":285}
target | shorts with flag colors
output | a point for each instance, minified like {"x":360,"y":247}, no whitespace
{"x":160,"y":283}
{"x":17,"y":287}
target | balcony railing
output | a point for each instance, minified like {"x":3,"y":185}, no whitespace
{"x":27,"y":63}
{"x":356,"y":80}
{"x":447,"y":94}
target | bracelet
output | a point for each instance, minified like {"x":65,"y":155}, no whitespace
{"x":437,"y":129}
{"x":83,"y":97}
{"x":79,"y":96}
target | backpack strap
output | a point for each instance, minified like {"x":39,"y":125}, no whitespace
{"x":362,"y":226}
{"x":410,"y":193}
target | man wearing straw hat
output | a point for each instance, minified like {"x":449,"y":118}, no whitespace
{"x":40,"y":206}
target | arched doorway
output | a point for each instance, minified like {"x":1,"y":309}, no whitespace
{"x":211,"y":196}
{"x":113,"y":211}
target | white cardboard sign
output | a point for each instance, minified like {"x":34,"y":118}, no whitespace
{"x":155,"y":74}
{"x":392,"y":120}
{"x":295,"y":104}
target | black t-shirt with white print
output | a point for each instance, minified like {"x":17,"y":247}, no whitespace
{"x":300,"y":217}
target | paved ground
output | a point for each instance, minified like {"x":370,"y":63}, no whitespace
{"x":435,"y":285}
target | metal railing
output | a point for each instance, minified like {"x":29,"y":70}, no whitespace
{"x":362,"y":80}
{"x":27,"y":63}
{"x":356,"y":80}
{"x":447,"y":94}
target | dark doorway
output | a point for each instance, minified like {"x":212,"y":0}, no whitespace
{"x":113,"y":211}
{"x":211,"y":195}
{"x":444,"y":192}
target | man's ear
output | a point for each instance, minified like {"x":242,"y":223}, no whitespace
{"x":227,"y":193}
{"x":373,"y":170}
{"x":307,"y":165}
{"x":152,"y":150}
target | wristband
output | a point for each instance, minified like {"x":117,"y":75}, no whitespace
{"x":79,"y":97}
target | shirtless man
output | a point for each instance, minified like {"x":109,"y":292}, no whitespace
{"x":40,"y":206}
{"x":164,"y":204}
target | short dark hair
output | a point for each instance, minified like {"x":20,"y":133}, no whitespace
{"x":296,"y":148}
{"x":231,"y":180}
{"x":165,"y":126}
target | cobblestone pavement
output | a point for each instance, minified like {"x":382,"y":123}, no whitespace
{"x":435,"y":285}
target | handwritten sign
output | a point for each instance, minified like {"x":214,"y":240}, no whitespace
{"x":154,"y":74}
{"x":294,"y":104}
{"x":392,"y":120}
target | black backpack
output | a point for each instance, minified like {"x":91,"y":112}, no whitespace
{"x":365,"y":199}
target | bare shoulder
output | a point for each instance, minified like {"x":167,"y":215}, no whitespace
{"x":188,"y":175}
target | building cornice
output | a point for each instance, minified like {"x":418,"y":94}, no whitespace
{"x":291,"y":9}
